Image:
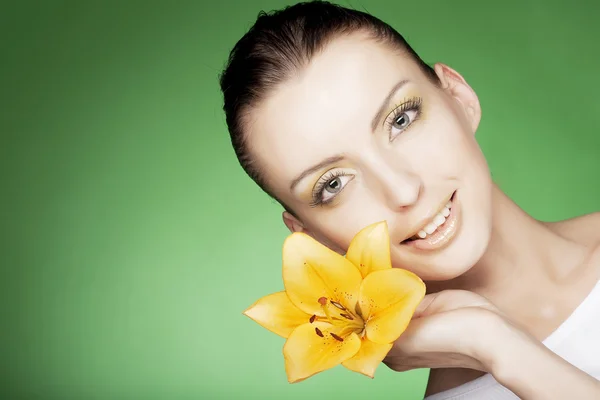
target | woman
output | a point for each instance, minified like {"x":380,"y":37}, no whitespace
{"x":334,"y":115}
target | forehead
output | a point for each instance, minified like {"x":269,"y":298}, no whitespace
{"x":327,"y":108}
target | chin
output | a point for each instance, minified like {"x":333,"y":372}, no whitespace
{"x":454,"y":262}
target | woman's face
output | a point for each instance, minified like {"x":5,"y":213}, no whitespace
{"x":360,"y":135}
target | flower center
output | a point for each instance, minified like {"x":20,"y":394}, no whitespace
{"x":338,"y":316}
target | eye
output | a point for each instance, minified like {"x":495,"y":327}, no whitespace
{"x":329,"y":186}
{"x":401,"y":122}
{"x":402,"y":117}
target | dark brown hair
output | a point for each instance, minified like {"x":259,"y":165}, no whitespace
{"x":276,"y":47}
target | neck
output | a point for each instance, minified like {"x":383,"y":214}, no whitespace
{"x":523,"y":254}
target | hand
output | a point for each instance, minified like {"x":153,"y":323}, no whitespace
{"x":461,"y":329}
{"x":451,"y":328}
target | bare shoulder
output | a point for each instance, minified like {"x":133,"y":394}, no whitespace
{"x":584,"y":229}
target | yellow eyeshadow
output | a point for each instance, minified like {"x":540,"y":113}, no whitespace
{"x":398,"y":100}
{"x":306,"y":193}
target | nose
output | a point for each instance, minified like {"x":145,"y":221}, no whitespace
{"x":402,"y":189}
{"x":393,"y":179}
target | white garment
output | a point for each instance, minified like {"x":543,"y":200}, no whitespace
{"x":577,"y":340}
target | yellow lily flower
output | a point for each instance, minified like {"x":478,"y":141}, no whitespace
{"x":339,"y":310}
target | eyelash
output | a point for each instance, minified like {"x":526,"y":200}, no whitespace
{"x":413,"y":104}
{"x":317,"y":193}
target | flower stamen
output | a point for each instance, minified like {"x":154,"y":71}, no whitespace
{"x":338,"y":305}
{"x":347,"y":321}
{"x":347,"y":316}
{"x":323,"y":302}
{"x":336,"y":337}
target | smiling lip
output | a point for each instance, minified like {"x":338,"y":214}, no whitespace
{"x":444,"y":232}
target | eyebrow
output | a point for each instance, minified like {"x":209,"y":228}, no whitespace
{"x":316,"y":167}
{"x":386,"y":101}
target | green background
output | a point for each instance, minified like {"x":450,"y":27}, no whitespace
{"x":132,"y":240}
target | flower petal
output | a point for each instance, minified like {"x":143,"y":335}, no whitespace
{"x":368,"y":357}
{"x":277,"y":313}
{"x":311,"y":349}
{"x":370,"y":249}
{"x":388,"y":300}
{"x":311,"y":271}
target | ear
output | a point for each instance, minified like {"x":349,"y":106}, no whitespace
{"x":292,"y":223}
{"x":455,"y":85}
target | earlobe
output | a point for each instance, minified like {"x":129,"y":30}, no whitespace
{"x":474,"y":113}
{"x":294,"y":225}
{"x":292,"y":222}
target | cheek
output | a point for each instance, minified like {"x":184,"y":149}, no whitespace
{"x":448,"y":147}
{"x":337,"y":229}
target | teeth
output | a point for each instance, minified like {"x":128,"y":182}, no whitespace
{"x":438,"y":220}
{"x":430,"y":228}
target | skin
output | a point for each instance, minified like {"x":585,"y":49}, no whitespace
{"x":505,"y":281}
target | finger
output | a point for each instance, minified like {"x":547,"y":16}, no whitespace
{"x":423,"y":307}
{"x":397,"y":367}
{"x":451,"y":336}
{"x":401,"y":364}
{"x":447,"y":300}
